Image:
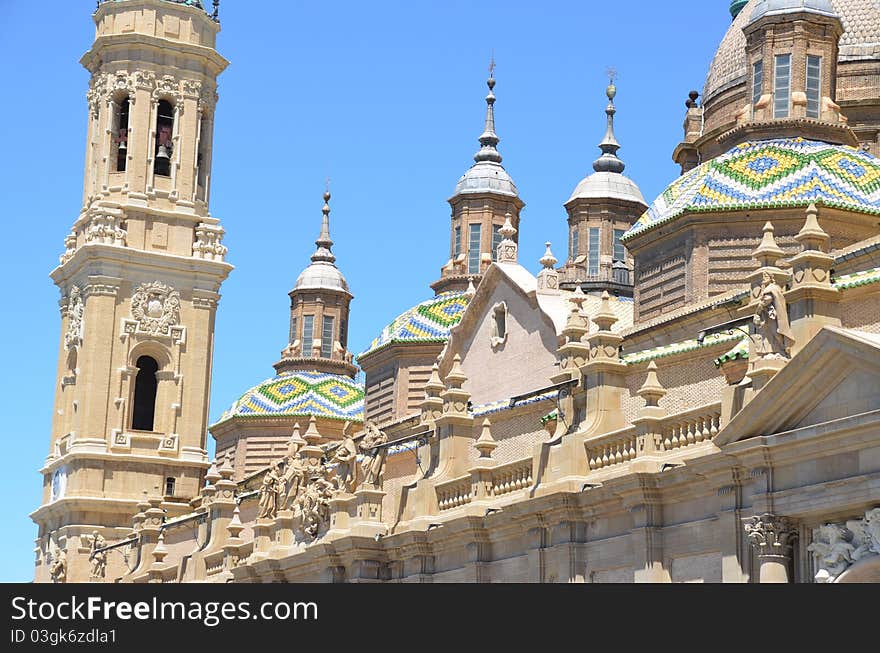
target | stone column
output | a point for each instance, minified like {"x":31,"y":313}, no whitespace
{"x":772,"y":537}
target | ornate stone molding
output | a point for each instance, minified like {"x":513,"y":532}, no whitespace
{"x":69,"y":248}
{"x":192,"y":88}
{"x":145,"y":79}
{"x":771,"y":535}
{"x":208,"y":242}
{"x":168,"y":87}
{"x":837,"y":546}
{"x":106,"y":226}
{"x":75,"y":309}
{"x":155,"y":308}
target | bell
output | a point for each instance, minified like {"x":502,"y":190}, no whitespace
{"x":122,"y":145}
{"x":162,"y":153}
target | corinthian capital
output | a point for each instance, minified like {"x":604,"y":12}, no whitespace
{"x":771,"y":534}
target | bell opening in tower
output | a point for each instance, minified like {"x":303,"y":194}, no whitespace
{"x":121,"y":140}
{"x":164,"y":138}
{"x":145,"y":385}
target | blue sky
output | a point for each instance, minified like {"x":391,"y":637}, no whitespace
{"x":386,"y":99}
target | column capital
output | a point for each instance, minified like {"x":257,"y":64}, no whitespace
{"x":771,"y":535}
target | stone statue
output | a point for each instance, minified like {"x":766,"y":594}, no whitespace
{"x":833,"y":548}
{"x":345,"y":458}
{"x":773,"y":335}
{"x":269,"y":493}
{"x":374,"y":454}
{"x":293,"y":350}
{"x":97,"y":557}
{"x":58,"y":568}
{"x":312,"y":507}
{"x":294,"y":480}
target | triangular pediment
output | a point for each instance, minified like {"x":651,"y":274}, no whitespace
{"x":836,"y":375}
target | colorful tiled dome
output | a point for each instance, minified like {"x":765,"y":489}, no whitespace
{"x":772,"y":174}
{"x":429,"y":321}
{"x":302,"y":394}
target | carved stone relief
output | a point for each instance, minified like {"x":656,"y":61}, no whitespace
{"x":838,"y":546}
{"x":155,"y":308}
{"x":75,"y":308}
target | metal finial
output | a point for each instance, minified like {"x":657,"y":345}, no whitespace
{"x":492,"y":64}
{"x":324,"y":243}
{"x":216,"y":14}
{"x":489,"y":139}
{"x":609,"y":162}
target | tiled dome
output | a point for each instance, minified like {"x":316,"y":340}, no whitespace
{"x":861,"y":40}
{"x":301,"y":394}
{"x":429,"y":321}
{"x":770,"y":174}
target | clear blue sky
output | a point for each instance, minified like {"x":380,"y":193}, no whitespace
{"x":385,"y":98}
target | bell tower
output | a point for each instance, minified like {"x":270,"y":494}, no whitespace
{"x":139,"y":281}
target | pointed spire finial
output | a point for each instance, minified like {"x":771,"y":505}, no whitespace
{"x":609,"y":162}
{"x":324,"y":243}
{"x":489,"y":139}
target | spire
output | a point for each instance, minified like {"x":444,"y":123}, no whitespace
{"x":489,"y":139}
{"x":609,"y":162}
{"x":324,"y":243}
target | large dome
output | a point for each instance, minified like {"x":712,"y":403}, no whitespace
{"x":772,"y":174}
{"x":861,"y":40}
{"x":429,"y":321}
{"x":301,"y":394}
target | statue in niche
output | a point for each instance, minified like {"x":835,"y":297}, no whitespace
{"x":374,"y":454}
{"x":58,"y":568}
{"x":345,"y":458}
{"x":773,"y":335}
{"x":97,"y":557}
{"x":269,"y":492}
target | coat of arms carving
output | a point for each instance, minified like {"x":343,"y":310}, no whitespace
{"x":156,"y":308}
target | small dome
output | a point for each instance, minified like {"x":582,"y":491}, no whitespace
{"x":321,"y":275}
{"x":301,"y":394}
{"x":486,"y":176}
{"x":789,"y":172}
{"x":610,"y":185}
{"x":429,"y":321}
{"x":774,"y":7}
{"x":861,"y":36}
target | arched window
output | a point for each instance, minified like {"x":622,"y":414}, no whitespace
{"x":145,"y":394}
{"x":164,"y":135}
{"x":120,"y":138}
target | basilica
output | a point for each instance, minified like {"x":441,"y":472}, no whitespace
{"x":690,"y":392}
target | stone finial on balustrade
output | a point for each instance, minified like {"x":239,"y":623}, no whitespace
{"x":507,"y":248}
{"x":432,"y":404}
{"x":235,"y":527}
{"x":605,"y":318}
{"x":161,"y":551}
{"x":548,"y":277}
{"x":486,"y":444}
{"x":813,"y":300}
{"x":226,"y":470}
{"x":652,"y":391}
{"x":455,"y":398}
{"x":296,"y":442}
{"x":605,"y":344}
{"x":573,"y":352}
{"x":311,"y":452}
{"x":210,"y":488}
{"x":768,"y":252}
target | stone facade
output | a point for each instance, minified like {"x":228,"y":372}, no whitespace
{"x":718,"y":423}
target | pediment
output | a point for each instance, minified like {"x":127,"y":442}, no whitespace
{"x":836,"y":375}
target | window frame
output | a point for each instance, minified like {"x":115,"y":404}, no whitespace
{"x":781,"y":93}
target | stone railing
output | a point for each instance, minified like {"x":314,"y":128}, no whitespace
{"x":691,"y":427}
{"x":511,"y":477}
{"x":612,"y":449}
{"x":214,"y":563}
{"x":455,"y":493}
